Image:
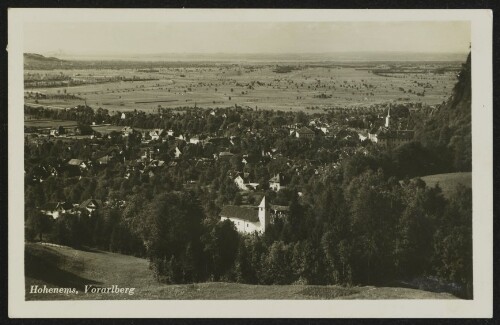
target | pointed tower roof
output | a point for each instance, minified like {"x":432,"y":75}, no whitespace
{"x":388,"y":117}
{"x":263,"y":203}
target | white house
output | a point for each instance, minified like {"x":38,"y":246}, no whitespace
{"x":362,"y":136}
{"x":244,"y":183}
{"x":156,"y":134}
{"x":127,"y":130}
{"x":194,"y":140}
{"x":78,"y":162}
{"x":277,"y":182}
{"x":104,"y":160}
{"x":91,"y":205}
{"x":305,"y":132}
{"x":56,"y":209}
{"x":225,"y":155}
{"x":240,"y":182}
{"x":177,"y":152}
{"x":247,"y":219}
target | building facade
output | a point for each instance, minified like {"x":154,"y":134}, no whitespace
{"x":388,"y":136}
{"x":248,"y":220}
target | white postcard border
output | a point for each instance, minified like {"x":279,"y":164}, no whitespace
{"x":482,"y":179}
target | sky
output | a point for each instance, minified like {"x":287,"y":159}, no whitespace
{"x":91,"y":38}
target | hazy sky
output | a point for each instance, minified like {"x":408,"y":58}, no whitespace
{"x":246,"y":37}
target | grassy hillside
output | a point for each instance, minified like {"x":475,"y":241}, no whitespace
{"x":64,"y":267}
{"x":449,"y":181}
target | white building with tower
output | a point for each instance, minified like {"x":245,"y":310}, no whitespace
{"x":388,"y":118}
{"x":248,"y":219}
{"x":389,"y":136}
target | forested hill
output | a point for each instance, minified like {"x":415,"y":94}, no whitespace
{"x":449,"y":127}
{"x":38,"y":61}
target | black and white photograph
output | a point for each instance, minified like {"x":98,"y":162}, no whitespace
{"x":250,"y":159}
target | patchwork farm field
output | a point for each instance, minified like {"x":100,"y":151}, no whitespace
{"x":105,"y":129}
{"x":292,"y":86}
{"x":41,"y":124}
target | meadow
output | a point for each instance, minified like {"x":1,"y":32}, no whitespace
{"x":63,"y":267}
{"x":448,"y":182}
{"x":295,"y":86}
{"x":105,"y":129}
{"x":47,"y":123}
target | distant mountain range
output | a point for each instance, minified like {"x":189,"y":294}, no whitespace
{"x":38,"y":57}
{"x":38,"y":61}
{"x":269,"y":57}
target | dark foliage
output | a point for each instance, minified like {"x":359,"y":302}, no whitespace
{"x":364,"y":217}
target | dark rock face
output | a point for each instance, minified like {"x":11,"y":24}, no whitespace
{"x":449,"y":127}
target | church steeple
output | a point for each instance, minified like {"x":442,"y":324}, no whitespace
{"x":263,"y":215}
{"x":388,"y":117}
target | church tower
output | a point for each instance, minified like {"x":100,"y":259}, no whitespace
{"x":388,"y":118}
{"x":263,"y":215}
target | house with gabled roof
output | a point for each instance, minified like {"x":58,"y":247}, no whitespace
{"x":194,"y":140}
{"x":243,"y":182}
{"x":305,"y":132}
{"x":277,"y":182}
{"x":177,"y":152}
{"x":240,"y":182}
{"x":225,"y":155}
{"x":156,"y":134}
{"x":91,"y":205}
{"x":75,"y":162}
{"x":104,"y":160}
{"x":79,"y":163}
{"x":56,"y":209}
{"x":127,"y":130}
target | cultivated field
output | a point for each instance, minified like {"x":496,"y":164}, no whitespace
{"x":291,"y":86}
{"x":42,"y":124}
{"x":66,"y":267}
{"x":105,"y":129}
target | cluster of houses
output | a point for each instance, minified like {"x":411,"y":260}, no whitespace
{"x":245,"y":183}
{"x":388,"y":135}
{"x":62,"y":130}
{"x":72,"y":168}
{"x":251,"y":219}
{"x":57,"y":209}
{"x":247,"y":219}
